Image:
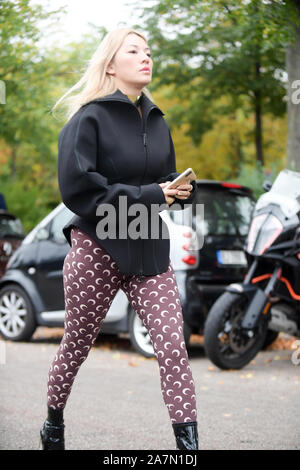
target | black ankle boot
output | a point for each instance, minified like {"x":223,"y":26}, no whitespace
{"x":186,"y":435}
{"x":52,"y":432}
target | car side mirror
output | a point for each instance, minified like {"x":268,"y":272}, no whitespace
{"x":42,"y":234}
{"x":267,"y":185}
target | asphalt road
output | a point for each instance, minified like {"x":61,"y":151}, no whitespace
{"x":116,"y":402}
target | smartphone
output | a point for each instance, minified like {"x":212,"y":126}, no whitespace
{"x":184,"y":178}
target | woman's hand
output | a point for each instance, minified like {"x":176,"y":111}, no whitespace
{"x":168,"y":192}
{"x":184,"y":191}
{"x":181,"y":192}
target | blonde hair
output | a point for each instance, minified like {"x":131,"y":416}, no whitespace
{"x":96,"y":81}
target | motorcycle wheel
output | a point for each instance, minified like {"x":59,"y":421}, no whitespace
{"x":225,"y":343}
{"x":271,"y":336}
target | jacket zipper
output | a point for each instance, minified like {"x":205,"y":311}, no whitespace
{"x":144,"y":137}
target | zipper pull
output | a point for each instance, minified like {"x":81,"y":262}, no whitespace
{"x":145,"y":139}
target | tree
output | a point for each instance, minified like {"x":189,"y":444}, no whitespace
{"x":215,"y":49}
{"x":35,"y":77}
{"x":226,"y":152}
{"x":293,"y":104}
{"x":27,"y":74}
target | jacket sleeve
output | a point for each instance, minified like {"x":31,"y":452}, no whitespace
{"x":172,"y":175}
{"x":81,"y":186}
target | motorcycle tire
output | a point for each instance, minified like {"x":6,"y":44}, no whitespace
{"x":271,"y":336}
{"x":225,"y":344}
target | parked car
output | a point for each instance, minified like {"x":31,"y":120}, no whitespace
{"x":11,"y":236}
{"x":3,"y":205}
{"x":31,"y":291}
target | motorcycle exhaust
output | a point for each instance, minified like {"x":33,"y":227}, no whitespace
{"x":280,"y":322}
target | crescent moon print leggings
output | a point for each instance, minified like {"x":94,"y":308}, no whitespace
{"x":91,"y":280}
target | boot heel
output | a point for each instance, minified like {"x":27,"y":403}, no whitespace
{"x":52,"y":431}
{"x":186,"y":435}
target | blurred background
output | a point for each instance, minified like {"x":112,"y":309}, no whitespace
{"x":226,"y":74}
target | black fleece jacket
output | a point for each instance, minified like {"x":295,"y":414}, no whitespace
{"x":106,"y":150}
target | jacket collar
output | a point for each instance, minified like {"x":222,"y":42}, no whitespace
{"x":146,"y":104}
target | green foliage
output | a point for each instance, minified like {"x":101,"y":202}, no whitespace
{"x":215,"y":49}
{"x":255,"y":176}
{"x":204,"y":52}
{"x":28,"y":203}
{"x":35,"y":78}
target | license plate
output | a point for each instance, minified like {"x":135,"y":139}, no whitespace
{"x":231,"y":257}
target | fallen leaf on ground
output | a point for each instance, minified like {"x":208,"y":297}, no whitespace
{"x":133,"y":363}
{"x":116,"y":356}
{"x":282,"y":342}
{"x":247,"y":376}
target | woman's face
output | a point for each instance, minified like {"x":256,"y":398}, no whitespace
{"x":132,"y":65}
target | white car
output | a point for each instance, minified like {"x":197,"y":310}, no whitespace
{"x":31,"y":290}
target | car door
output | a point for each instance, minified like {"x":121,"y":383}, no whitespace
{"x":52,"y":250}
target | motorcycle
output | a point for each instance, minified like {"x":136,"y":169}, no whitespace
{"x":247,"y":314}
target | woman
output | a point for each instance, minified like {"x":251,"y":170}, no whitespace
{"x":117,"y":148}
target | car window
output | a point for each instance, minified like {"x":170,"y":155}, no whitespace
{"x":11,"y":228}
{"x":225,"y":212}
{"x":58,"y":222}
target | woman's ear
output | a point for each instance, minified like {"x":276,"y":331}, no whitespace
{"x":110,"y":69}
